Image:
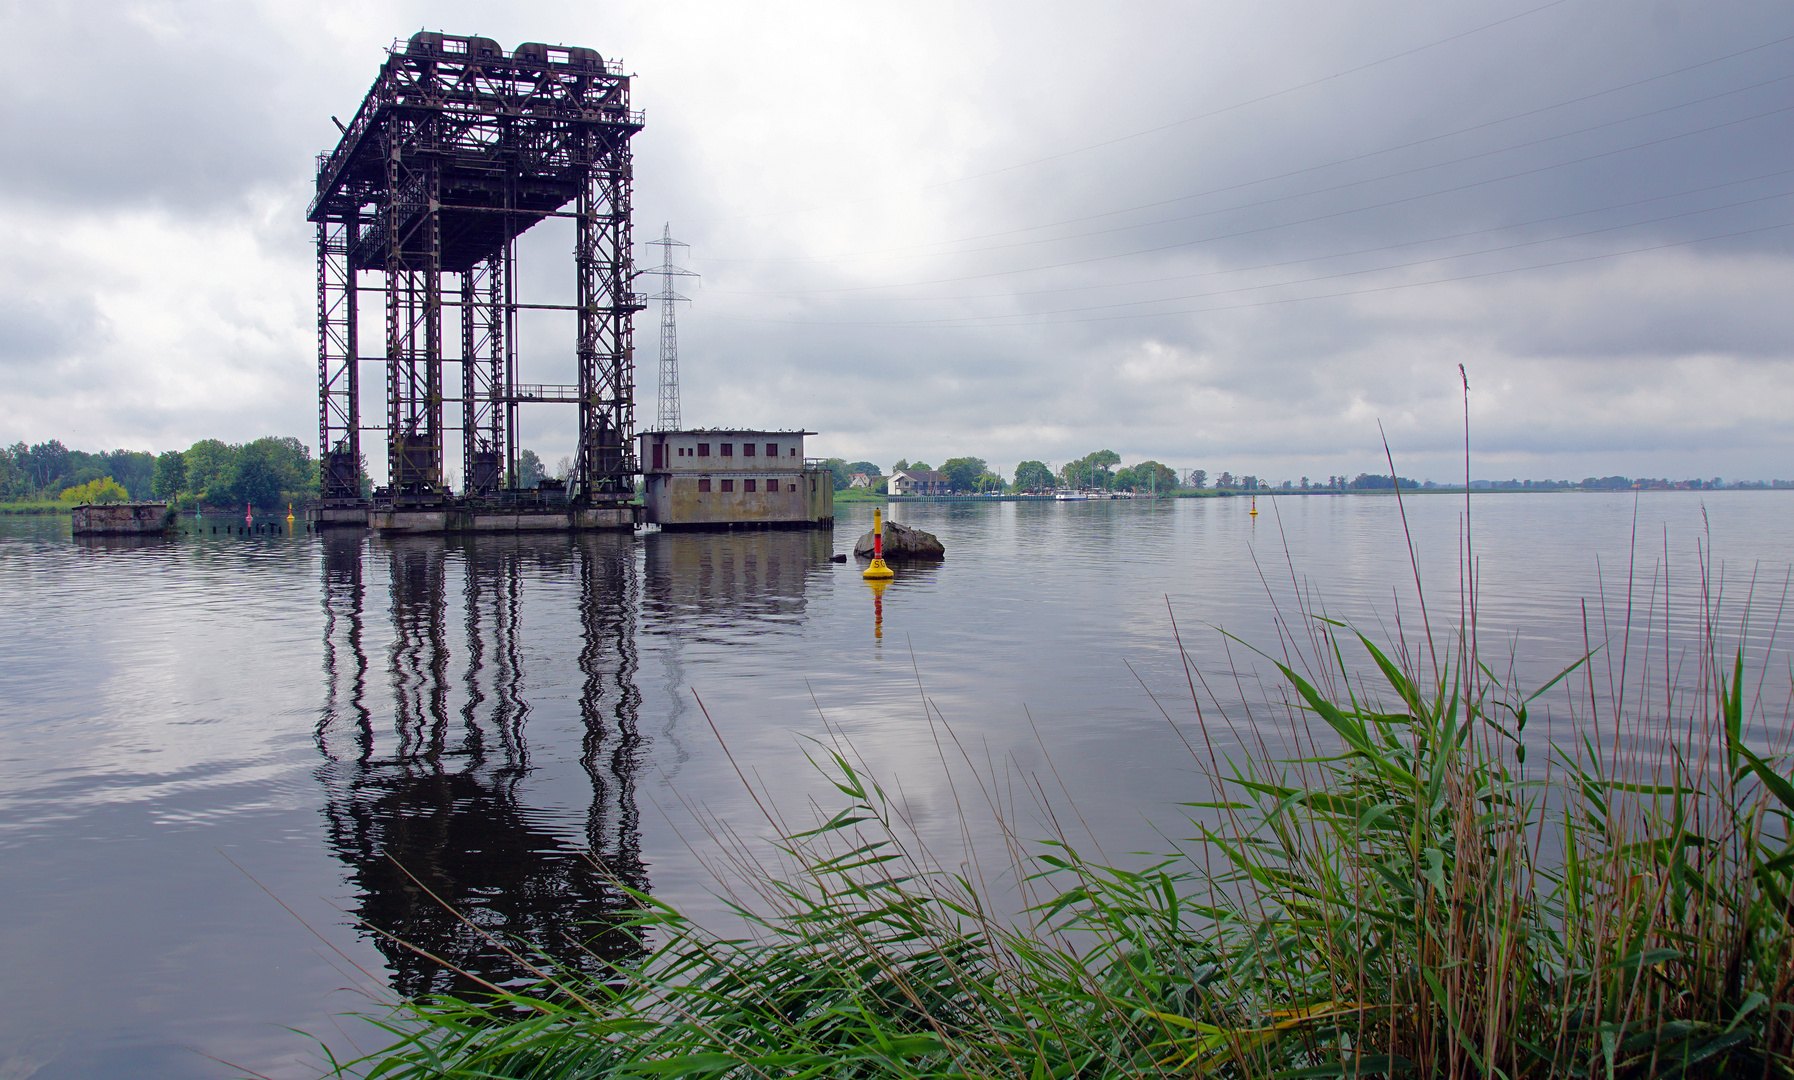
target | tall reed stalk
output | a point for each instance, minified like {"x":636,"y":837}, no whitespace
{"x":1394,"y":889}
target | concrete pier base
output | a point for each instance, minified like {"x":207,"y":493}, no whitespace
{"x":122,"y":519}
{"x":458,"y":519}
{"x":328,"y":517}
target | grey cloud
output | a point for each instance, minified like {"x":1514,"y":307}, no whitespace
{"x":795,"y":147}
{"x":34,"y":334}
{"x":189,"y":106}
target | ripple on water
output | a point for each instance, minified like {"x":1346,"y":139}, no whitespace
{"x":483,"y":711}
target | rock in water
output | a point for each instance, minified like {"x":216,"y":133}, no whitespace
{"x":902,"y":542}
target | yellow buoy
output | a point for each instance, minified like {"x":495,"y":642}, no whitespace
{"x":1254,"y":511}
{"x":878,"y":569}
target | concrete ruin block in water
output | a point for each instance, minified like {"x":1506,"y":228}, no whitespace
{"x":122,"y":519}
{"x":902,"y":542}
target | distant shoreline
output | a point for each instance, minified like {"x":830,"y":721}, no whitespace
{"x":1209,"y":493}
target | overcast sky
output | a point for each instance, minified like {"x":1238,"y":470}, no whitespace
{"x":1226,"y":235}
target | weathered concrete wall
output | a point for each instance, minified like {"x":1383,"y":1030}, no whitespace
{"x":453,"y":519}
{"x":821,"y":495}
{"x":337,"y":516}
{"x":122,"y":519}
{"x":805,"y":499}
{"x":675,"y":499}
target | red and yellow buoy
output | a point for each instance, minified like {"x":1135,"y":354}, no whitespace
{"x":878,"y":569}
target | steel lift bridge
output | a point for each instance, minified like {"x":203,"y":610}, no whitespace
{"x":457,"y":150}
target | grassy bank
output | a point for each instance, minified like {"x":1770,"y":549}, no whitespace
{"x":1385,"y":884}
{"x":859,"y":495}
{"x":48,"y":506}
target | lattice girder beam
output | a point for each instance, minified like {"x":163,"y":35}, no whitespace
{"x":457,"y":150}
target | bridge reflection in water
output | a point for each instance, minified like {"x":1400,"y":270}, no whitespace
{"x":452,"y":840}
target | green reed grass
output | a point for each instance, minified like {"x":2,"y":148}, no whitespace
{"x":1393,"y":890}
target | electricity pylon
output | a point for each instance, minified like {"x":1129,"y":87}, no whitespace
{"x":667,"y":417}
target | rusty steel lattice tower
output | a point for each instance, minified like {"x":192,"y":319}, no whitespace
{"x":458,"y":149}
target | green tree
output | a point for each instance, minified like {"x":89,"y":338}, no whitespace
{"x":256,"y":475}
{"x":1033,"y":476}
{"x":103,"y":490}
{"x":1198,"y":477}
{"x":921,"y":466}
{"x":43,"y":464}
{"x":209,"y":462}
{"x":171,"y":475}
{"x":133,"y":469}
{"x":962,"y":473}
{"x":12,"y":478}
{"x":1091,"y":470}
{"x":866,"y":467}
{"x":529,"y":469}
{"x":1147,"y":476}
{"x":290,"y":462}
{"x":990,"y":481}
{"x":837,"y":468}
{"x":902,"y":464}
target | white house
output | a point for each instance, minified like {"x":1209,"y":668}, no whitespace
{"x":917,"y":482}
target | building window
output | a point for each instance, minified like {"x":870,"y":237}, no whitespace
{"x":704,"y":484}
{"x":728,"y":449}
{"x":747,"y":485}
{"x":772,"y":449}
{"x":791,"y":487}
{"x":791,"y":452}
{"x":728,"y":485}
{"x":703,"y":449}
{"x":812,"y":483}
{"x":747,"y":449}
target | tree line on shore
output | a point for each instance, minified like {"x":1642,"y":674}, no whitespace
{"x":43,"y":471}
{"x":274,"y":471}
{"x":268,"y":472}
{"x":1100,"y":470}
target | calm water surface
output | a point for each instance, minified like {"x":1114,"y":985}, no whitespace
{"x":231,"y":765}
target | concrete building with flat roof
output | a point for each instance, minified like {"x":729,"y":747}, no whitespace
{"x":715,"y":478}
